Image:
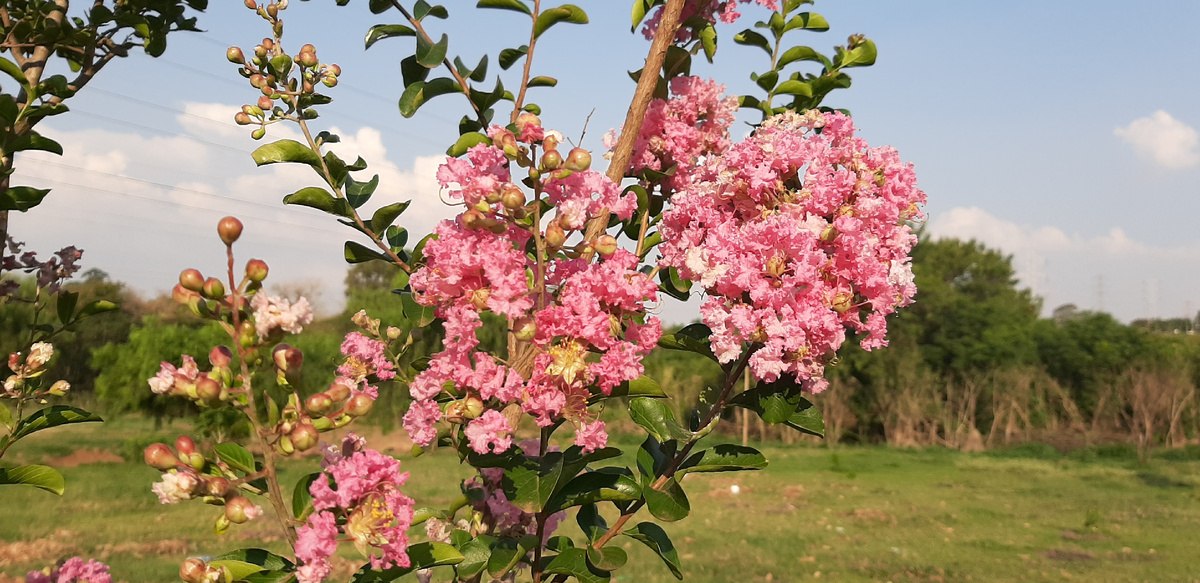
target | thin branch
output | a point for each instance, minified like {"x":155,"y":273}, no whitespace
{"x":537,"y":7}
{"x":462,"y":82}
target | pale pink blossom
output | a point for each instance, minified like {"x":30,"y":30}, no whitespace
{"x":490,"y":433}
{"x":272,"y":312}
{"x":175,"y":487}
{"x":591,"y":436}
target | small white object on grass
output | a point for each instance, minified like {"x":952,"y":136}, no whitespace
{"x":735,"y":489}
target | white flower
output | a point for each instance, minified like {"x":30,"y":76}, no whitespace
{"x":175,"y":487}
{"x":39,"y":354}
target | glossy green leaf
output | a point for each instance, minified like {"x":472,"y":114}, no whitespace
{"x":420,"y":315}
{"x":36,"y":141}
{"x":753,"y":39}
{"x":41,"y":477}
{"x":591,"y":522}
{"x":301,"y":498}
{"x":642,"y":386}
{"x":429,"y":54}
{"x":514,"y":5}
{"x":782,"y":402}
{"x":723,"y":458}
{"x":236,"y":456}
{"x":421,"y":9}
{"x":640,"y":8}
{"x":793,"y":87}
{"x":238,"y":570}
{"x":358,"y":193}
{"x":6,"y":417}
{"x":270,"y":577}
{"x":574,"y":562}
{"x":416,"y":94}
{"x":96,"y":307}
{"x":607,"y":558}
{"x":693,"y":338}
{"x":509,"y":57}
{"x":397,"y":237}
{"x":861,"y":56}
{"x":381,"y":31}
{"x":669,"y":503}
{"x":359,"y":253}
{"x":385,"y":216}
{"x":466,"y":142}
{"x":790,"y":5}
{"x":801,"y":54}
{"x":604,"y":484}
{"x":807,"y":21}
{"x":531,"y":484}
{"x":421,"y":556}
{"x":22,"y":198}
{"x":565,"y":13}
{"x":54,"y":416}
{"x":476,"y":554}
{"x":657,"y":418}
{"x":767,"y":80}
{"x":808,"y":421}
{"x":320,"y":199}
{"x":286,"y":151}
{"x":543,"y":81}
{"x":708,"y":41}
{"x":653,"y":536}
{"x":508,"y":553}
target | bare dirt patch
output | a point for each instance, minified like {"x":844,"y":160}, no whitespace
{"x":39,"y":552}
{"x":82,"y":457}
{"x":872,"y":515}
{"x":1069,"y":555}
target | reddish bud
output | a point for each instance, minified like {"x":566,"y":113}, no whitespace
{"x":578,"y":160}
{"x":272,"y":10}
{"x":551,"y":160}
{"x":242,"y":119}
{"x":191,"y":279}
{"x":525,"y":119}
{"x":525,"y":328}
{"x":512,"y":197}
{"x":304,"y":436}
{"x":265,"y":103}
{"x":251,"y":5}
{"x":456,"y":412}
{"x":256,"y":270}
{"x":159,"y":456}
{"x":220,"y":356}
{"x":229,"y":229}
{"x":235,"y":56}
{"x":184,"y":445}
{"x":287,"y":358}
{"x":606,"y":245}
{"x":550,"y":142}
{"x":216,"y":486}
{"x":213,"y":289}
{"x":239,"y":510}
{"x":474,"y":220}
{"x":182,"y":295}
{"x":338,"y":392}
{"x":329,"y":81}
{"x":194,"y":570}
{"x":308,"y":48}
{"x":208,"y":390}
{"x":318,"y":404}
{"x":307,"y":59}
{"x":555,"y":235}
{"x":258,"y":81}
{"x":359,"y":405}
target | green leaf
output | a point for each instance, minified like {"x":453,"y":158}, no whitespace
{"x":668,"y":504}
{"x":431,"y":55}
{"x":255,"y":565}
{"x":723,"y":458}
{"x":574,"y":562}
{"x":607,"y":558}
{"x":358,"y":193}
{"x":411,"y":72}
{"x":358,"y":253}
{"x":653,"y":536}
{"x":420,"y":315}
{"x":466,"y":142}
{"x":808,"y":421}
{"x":238,"y":570}
{"x":801,"y":54}
{"x":708,"y":41}
{"x":508,"y":553}
{"x":530,"y":485}
{"x":793,"y":87}
{"x":286,"y":151}
{"x":15,"y":72}
{"x":22,"y":198}
{"x":642,"y":386}
{"x":693,"y":338}
{"x":320,"y":199}
{"x":301,"y":498}
{"x":43,"y":477}
{"x":750,"y":38}
{"x":861,"y":56}
{"x":385,"y":216}
{"x":270,"y":577}
{"x":565,"y":13}
{"x":96,"y":307}
{"x":767,"y":80}
{"x":259,"y":557}
{"x":656,"y":418}
{"x":6,"y":417}
{"x":236,"y":456}
{"x":53,"y":416}
{"x":421,"y":555}
{"x":397,"y":237}
{"x":508,"y":57}
{"x":476,"y":554}
{"x":542,"y":81}
{"x":36,"y":141}
{"x":591,"y":522}
{"x":515,"y":5}
{"x":790,"y":5}
{"x":604,"y":484}
{"x":640,"y":8}
{"x":381,"y":31}
{"x":422,"y":9}
{"x":807,"y":21}
{"x":416,"y":94}
{"x":65,"y":307}
{"x":782,"y":402}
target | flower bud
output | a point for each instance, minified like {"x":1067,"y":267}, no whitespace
{"x":287,"y":358}
{"x":829,"y":234}
{"x":525,"y":328}
{"x":216,"y":486}
{"x":194,"y":570}
{"x":182,"y":295}
{"x":184,"y":445}
{"x":208,"y":390}
{"x":59,"y":388}
{"x":393,"y":332}
{"x":842,"y":302}
{"x":550,"y":142}
{"x":474,"y":220}
{"x":256,"y":270}
{"x":555,"y":235}
{"x":307,"y":59}
{"x":242,"y":119}
{"x":512,"y":197}
{"x":272,"y":10}
{"x":304,"y":436}
{"x":240,"y":509}
{"x":605,"y":245}
{"x":284,"y":446}
{"x":159,"y":456}
{"x":265,"y":103}
{"x":474,"y":407}
{"x":251,"y":5}
{"x":196,"y":460}
{"x":213,"y":289}
{"x":334,"y":70}
{"x":220,"y":356}
{"x":258,"y":81}
{"x":323,"y":424}
{"x":329,"y":81}
{"x":525,"y":119}
{"x":456,"y":412}
{"x":247,"y":334}
{"x":258,"y":134}
{"x":338,"y":391}
{"x":229,"y":228}
{"x":191,"y":279}
{"x":318,"y":404}
{"x":551,"y":160}
{"x":578,"y":160}
{"x":235,"y":56}
{"x":359,"y":405}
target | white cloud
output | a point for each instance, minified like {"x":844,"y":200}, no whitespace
{"x":1172,"y":143}
{"x":1112,"y":272}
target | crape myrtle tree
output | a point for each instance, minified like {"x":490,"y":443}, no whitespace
{"x":795,"y":237}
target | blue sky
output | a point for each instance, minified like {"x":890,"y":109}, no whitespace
{"x":1059,"y":132}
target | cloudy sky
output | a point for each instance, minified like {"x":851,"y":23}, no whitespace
{"x":1061,"y":133}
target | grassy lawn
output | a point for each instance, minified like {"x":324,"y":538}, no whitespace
{"x":850,"y":514}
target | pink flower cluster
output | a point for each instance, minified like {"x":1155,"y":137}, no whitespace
{"x":796,"y":234}
{"x":73,"y":570}
{"x":50,"y":273}
{"x":678,"y":132}
{"x":360,"y":486}
{"x":725,"y":10}
{"x":365,"y":357}
{"x":172,"y":380}
{"x":274,"y":313}
{"x":479,"y":263}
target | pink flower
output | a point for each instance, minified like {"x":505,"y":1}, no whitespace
{"x":365,"y":356}
{"x":419,"y":421}
{"x":316,"y":541}
{"x":489,"y":433}
{"x":591,"y":436}
{"x":271,"y":312}
{"x":73,"y":570}
{"x":726,"y":10}
{"x":175,"y":487}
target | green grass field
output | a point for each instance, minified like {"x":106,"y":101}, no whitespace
{"x":850,"y":514}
